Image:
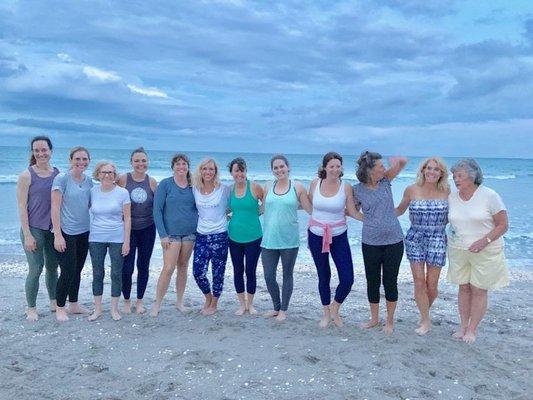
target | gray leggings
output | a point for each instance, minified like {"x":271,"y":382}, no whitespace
{"x":44,"y":255}
{"x":270,"y":258}
{"x":98,"y":251}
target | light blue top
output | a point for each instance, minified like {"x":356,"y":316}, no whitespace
{"x":75,"y":202}
{"x":380,"y":223}
{"x":280,"y":223}
{"x":175,"y":211}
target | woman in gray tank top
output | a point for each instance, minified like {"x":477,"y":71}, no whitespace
{"x":382,"y":236}
{"x":141,"y":188}
{"x":34,"y":199}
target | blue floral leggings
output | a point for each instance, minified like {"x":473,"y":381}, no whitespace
{"x":212,"y":248}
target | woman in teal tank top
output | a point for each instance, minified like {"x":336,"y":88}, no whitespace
{"x":281,"y":237}
{"x":245,"y":234}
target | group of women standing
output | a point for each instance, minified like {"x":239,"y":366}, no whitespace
{"x":63,"y":217}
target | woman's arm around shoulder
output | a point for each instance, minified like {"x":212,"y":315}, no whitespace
{"x":396,"y":166}
{"x":122,"y":179}
{"x":257,"y":191}
{"x":301,"y":193}
{"x":406,"y":199}
{"x":351,"y":209}
{"x":312,"y":188}
{"x":153,"y":184}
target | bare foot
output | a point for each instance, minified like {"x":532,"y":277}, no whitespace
{"x":271,"y":314}
{"x":75,"y":308}
{"x":282,"y":316}
{"x":180,"y":307}
{"x":95,"y":315}
{"x":155,"y":310}
{"x":459,"y":334}
{"x":252,"y":310}
{"x":139,"y":308}
{"x":31,"y":314}
{"x":241,"y":310}
{"x":53,"y":305}
{"x":369,"y":324}
{"x":324,"y":322}
{"x":336,"y":318}
{"x":388,"y":328}
{"x":469,"y":337}
{"x":424,"y":328}
{"x":209,"y":311}
{"x":127,"y":307}
{"x":115,"y":315}
{"x":61,"y":314}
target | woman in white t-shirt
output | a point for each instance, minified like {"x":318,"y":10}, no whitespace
{"x":110,"y":225}
{"x":478,"y":220}
{"x":212,"y":240}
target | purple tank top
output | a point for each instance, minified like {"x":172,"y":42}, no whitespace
{"x":40,"y":200}
{"x":142,"y":202}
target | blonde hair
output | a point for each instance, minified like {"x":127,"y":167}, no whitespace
{"x":99,"y":166}
{"x":442,"y":183}
{"x":197,"y":177}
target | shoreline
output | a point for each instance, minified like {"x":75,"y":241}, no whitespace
{"x":229,"y":357}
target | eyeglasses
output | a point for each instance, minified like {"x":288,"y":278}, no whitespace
{"x":107,"y":172}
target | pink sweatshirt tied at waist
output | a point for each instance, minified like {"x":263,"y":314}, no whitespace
{"x":327,"y":237}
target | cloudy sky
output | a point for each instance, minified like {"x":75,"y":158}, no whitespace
{"x":399,"y":76}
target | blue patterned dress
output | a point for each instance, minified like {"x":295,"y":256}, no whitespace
{"x":426,"y":238}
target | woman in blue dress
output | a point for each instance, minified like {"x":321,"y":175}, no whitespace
{"x":425,"y":242}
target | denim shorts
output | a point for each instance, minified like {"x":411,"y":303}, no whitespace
{"x":182,"y":238}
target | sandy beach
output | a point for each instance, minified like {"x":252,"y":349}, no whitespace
{"x":188,"y":356}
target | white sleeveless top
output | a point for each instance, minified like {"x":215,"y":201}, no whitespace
{"x":329,"y":210}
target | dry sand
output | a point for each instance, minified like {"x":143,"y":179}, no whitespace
{"x":189,"y":356}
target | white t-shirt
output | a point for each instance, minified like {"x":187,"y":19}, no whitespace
{"x":106,"y":212}
{"x":473,"y":219}
{"x":212,"y":209}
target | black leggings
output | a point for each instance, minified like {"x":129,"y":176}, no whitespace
{"x":389,"y":256}
{"x":71,"y":262}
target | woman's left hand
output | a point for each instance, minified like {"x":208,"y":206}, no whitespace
{"x":125,"y":249}
{"x":478,"y":245}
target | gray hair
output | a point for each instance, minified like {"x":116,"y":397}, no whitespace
{"x":471,"y":167}
{"x":367,"y":161}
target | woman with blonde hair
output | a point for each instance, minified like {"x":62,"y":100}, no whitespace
{"x":425,"y":242}
{"x":212,"y":240}
{"x":175,"y":217}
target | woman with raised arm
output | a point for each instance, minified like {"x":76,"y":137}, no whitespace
{"x":176,"y":218}
{"x":71,"y":196}
{"x":478,"y":220}
{"x":281,"y":238}
{"x":141,"y":188}
{"x":425,"y":241}
{"x":245,"y":234}
{"x":110,"y":227}
{"x":382,"y":236}
{"x":34,"y":205}
{"x":332,"y":199}
{"x":212,"y":242}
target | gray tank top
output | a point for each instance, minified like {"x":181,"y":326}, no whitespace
{"x":380,"y":223}
{"x":40,"y":200}
{"x":142,"y":202}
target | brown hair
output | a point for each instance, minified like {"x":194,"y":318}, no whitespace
{"x":46,"y":139}
{"x":332,"y":155}
{"x":180,"y":156}
{"x":278,"y":157}
{"x":76,"y":149}
{"x":367,"y":161}
{"x":138,"y":150}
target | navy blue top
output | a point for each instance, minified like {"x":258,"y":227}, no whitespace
{"x":175,"y":211}
{"x":380,"y":223}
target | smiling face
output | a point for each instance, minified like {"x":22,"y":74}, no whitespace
{"x":41,"y":151}
{"x":432,"y":172}
{"x":79,"y":161}
{"x":377,"y":173}
{"x":180,"y":167}
{"x":280,"y":169}
{"x":107,"y":174}
{"x":208,"y":172}
{"x":238,"y":175}
{"x":139,"y":162}
{"x":462,"y":180}
{"x":333,"y":168}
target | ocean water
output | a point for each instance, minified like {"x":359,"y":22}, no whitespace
{"x":511,"y":178}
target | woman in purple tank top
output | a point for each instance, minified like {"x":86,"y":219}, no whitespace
{"x":34,"y":199}
{"x":141,"y":188}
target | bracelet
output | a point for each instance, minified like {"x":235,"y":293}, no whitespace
{"x":488,"y":240}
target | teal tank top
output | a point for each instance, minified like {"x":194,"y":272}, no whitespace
{"x":244,"y":225}
{"x":280,"y":225}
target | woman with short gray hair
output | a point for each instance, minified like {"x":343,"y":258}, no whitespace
{"x":382,"y":236}
{"x":478,"y":220}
